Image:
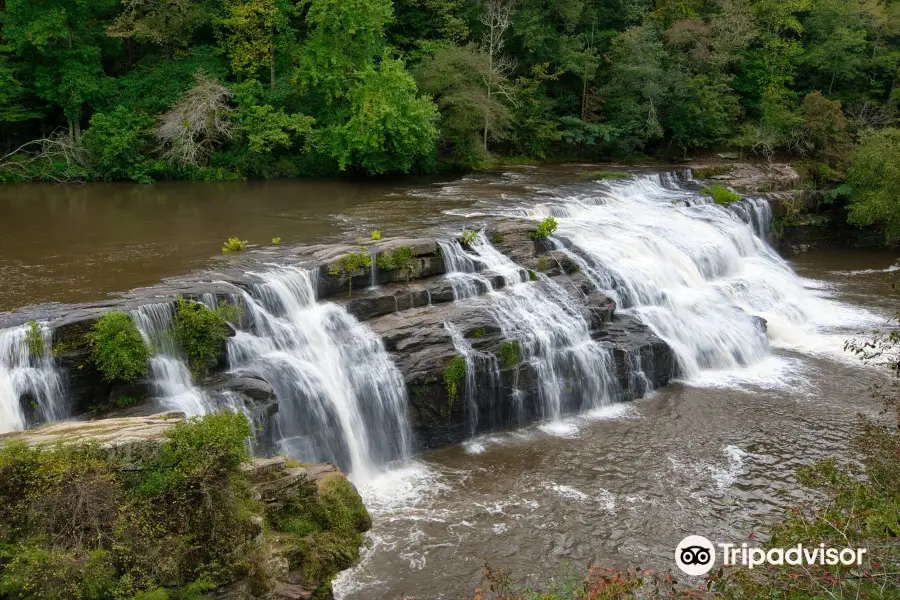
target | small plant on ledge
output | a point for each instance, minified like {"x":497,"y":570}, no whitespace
{"x":376,"y":235}
{"x":510,"y":354}
{"x":276,"y":240}
{"x":453,"y":376}
{"x":545,"y":229}
{"x":34,"y":340}
{"x":117,"y":348}
{"x":720,"y":194}
{"x":468,"y":238}
{"x":234,"y":244}
{"x":350,"y":264}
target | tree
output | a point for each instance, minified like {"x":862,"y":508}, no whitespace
{"x":62,"y":42}
{"x":166,"y":23}
{"x":496,"y":20}
{"x":264,"y":127}
{"x":190,"y":131}
{"x":455,"y":77}
{"x":248,"y":35}
{"x":423,"y":26}
{"x":390,"y":128}
{"x":119,"y":143}
{"x":836,"y":41}
{"x":825,"y":128}
{"x":874,"y":178}
{"x":12,"y":110}
{"x":344,"y":39}
{"x":638,"y":86}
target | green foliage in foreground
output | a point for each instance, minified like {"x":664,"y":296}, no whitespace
{"x":201,"y":332}
{"x":720,"y":194}
{"x":117,"y":348}
{"x":76,"y":522}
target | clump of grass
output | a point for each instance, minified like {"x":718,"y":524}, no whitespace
{"x":532,"y":276}
{"x":606,"y":175}
{"x":543,"y":263}
{"x":350,"y":264}
{"x":234,"y":244}
{"x":720,"y":194}
{"x":399,"y":259}
{"x":510,"y":354}
{"x":376,"y":235}
{"x":497,"y":238}
{"x":545,"y":229}
{"x":117,"y":348}
{"x":34,"y":339}
{"x":478,"y":333}
{"x":276,"y":240}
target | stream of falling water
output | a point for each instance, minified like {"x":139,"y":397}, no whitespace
{"x":28,"y":382}
{"x":622,"y":485}
{"x":341,"y":398}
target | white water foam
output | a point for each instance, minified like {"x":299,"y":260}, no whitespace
{"x":28,"y":379}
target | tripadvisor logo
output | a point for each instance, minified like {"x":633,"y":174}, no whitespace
{"x":696,"y":555}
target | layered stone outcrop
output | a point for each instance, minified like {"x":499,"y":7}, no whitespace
{"x":407,"y":308}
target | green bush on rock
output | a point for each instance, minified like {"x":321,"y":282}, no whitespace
{"x":34,"y":339}
{"x":201,"y":332}
{"x":545,"y":229}
{"x":453,"y":376}
{"x":77,"y":521}
{"x":720,"y":194}
{"x":117,"y":348}
{"x":510,"y":354}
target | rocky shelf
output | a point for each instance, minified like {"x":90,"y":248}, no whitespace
{"x":407,"y":309}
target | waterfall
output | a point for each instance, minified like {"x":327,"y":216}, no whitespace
{"x":573,"y":371}
{"x":341,"y":398}
{"x":173,"y":384}
{"x":31,"y":389}
{"x":695,"y":272}
{"x":473,"y":359}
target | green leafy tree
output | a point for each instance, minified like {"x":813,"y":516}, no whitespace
{"x":62,"y":43}
{"x":874,"y":178}
{"x":836,"y":47}
{"x":391,"y":128}
{"x":265,"y":127}
{"x":167,"y":23}
{"x":454,"y":77}
{"x":119,"y":143}
{"x":423,"y":26}
{"x":248,"y":35}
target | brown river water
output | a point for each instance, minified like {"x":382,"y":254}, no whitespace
{"x":714,"y":455}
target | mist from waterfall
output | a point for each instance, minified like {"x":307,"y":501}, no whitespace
{"x":341,"y":398}
{"x":30,"y":379}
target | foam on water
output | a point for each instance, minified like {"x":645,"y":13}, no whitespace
{"x":27,"y":380}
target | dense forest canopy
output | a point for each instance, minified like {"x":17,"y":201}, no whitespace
{"x":215,"y":89}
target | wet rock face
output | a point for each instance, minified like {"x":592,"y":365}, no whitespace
{"x":407,"y":309}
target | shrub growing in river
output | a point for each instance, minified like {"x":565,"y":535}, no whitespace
{"x":376,"y":235}
{"x":545,"y":229}
{"x":234,"y":244}
{"x":276,"y":240}
{"x":720,"y":194}
{"x":117,"y":348}
{"x":468,"y":238}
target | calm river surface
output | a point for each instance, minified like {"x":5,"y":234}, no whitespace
{"x":714,"y":455}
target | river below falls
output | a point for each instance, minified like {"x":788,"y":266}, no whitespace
{"x":713,"y":455}
{"x":620,"y":487}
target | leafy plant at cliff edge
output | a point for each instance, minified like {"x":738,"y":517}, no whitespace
{"x":117,"y":348}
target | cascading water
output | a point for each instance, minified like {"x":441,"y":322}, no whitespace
{"x":573,"y":371}
{"x":31,"y":389}
{"x":341,"y":398}
{"x":473,"y":360}
{"x":697,"y":273}
{"x":172,"y":381}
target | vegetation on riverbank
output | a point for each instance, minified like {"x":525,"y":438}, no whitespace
{"x":854,"y":505}
{"x":226,"y":89}
{"x":80,"y":521}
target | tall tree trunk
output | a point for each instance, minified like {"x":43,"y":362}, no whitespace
{"x":272,"y":70}
{"x":584,"y":100}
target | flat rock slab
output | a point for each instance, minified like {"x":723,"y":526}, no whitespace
{"x":106,"y":432}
